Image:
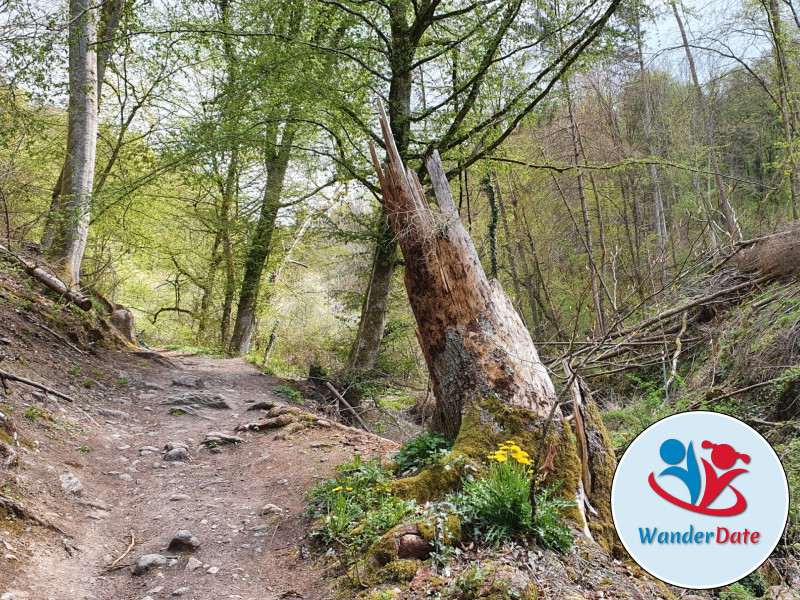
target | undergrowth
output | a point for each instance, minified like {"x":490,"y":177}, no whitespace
{"x":426,"y":449}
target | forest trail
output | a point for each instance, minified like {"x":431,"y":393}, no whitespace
{"x":246,"y":551}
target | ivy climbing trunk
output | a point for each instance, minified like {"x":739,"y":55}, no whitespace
{"x":260,"y":246}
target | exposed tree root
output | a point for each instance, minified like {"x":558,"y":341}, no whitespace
{"x":18,"y":509}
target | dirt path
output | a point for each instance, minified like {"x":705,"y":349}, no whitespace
{"x":245,"y":552}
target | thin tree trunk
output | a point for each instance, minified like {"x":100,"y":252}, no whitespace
{"x":730,"y":218}
{"x":512,"y":263}
{"x":587,"y":228}
{"x":81,"y":141}
{"x":658,"y":200}
{"x":366,"y":346}
{"x":785,"y":88}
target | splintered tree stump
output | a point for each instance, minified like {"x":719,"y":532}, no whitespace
{"x":474,"y":342}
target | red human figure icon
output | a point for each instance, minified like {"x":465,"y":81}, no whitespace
{"x":724,"y":457}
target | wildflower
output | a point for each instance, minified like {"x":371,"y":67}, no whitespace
{"x":337,"y":489}
{"x":349,"y":489}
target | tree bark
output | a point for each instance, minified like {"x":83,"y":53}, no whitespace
{"x":69,"y":246}
{"x":474,"y":342}
{"x":260,"y":246}
{"x":112,"y":14}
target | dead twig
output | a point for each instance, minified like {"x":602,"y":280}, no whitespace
{"x":346,"y":404}
{"x":124,"y":554}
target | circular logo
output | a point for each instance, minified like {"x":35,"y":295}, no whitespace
{"x":699,"y":500}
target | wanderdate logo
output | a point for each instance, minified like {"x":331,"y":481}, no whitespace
{"x":723,"y":457}
{"x":699,"y":500}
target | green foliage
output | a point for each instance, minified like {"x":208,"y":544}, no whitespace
{"x":754,"y":584}
{"x":735,"y":591}
{"x":357,"y":506}
{"x":123,"y":381}
{"x":89,"y":383}
{"x":467,"y":586}
{"x":177,"y":412}
{"x":289,"y":393}
{"x":548,"y":525}
{"x":74,"y":370}
{"x":84,"y":449}
{"x":34,"y":413}
{"x":424,"y":450}
{"x":499,"y":506}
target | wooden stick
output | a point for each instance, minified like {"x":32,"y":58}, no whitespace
{"x":702,"y":300}
{"x":44,"y":388}
{"x":341,"y":399}
{"x":124,"y":554}
{"x":51,"y":281}
{"x":61,"y":338}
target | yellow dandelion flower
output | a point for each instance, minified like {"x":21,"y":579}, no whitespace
{"x":511,"y":442}
{"x":349,"y":489}
{"x":501,"y":458}
{"x":337,"y":489}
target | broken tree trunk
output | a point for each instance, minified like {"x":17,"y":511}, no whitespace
{"x":489,"y":383}
{"x":474,"y":342}
{"x":51,"y":281}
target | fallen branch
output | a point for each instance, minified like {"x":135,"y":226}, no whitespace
{"x":60,"y":338}
{"x":697,"y":302}
{"x":344,"y":402}
{"x":45,"y":278}
{"x":5,"y":375}
{"x":124,"y":554}
{"x":779,"y":424}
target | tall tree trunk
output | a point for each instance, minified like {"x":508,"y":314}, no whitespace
{"x":69,"y":246}
{"x":367,"y":343}
{"x":658,"y":200}
{"x":594,"y":274}
{"x":109,"y":23}
{"x":260,"y":246}
{"x":785,"y":88}
{"x":730,"y":218}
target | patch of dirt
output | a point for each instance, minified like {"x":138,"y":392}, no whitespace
{"x":131,"y":494}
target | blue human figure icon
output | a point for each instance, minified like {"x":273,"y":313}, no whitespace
{"x":672,"y":453}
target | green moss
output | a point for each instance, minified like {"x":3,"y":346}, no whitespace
{"x":401,"y":570}
{"x":451,"y":530}
{"x":602,"y":467}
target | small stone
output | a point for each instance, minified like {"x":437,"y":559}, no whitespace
{"x":109,"y":413}
{"x":180,"y":591}
{"x":201,"y":399}
{"x":177,"y":454}
{"x":193,"y":564}
{"x":213,"y":570}
{"x":172,"y":445}
{"x":271,"y":509}
{"x":155,"y":590}
{"x":71,"y":484}
{"x":147,"y":598}
{"x":282,"y":481}
{"x":413,"y":546}
{"x":184,"y":541}
{"x":126,"y":478}
{"x":189,"y":381}
{"x":8,"y":596}
{"x":179,"y":497}
{"x":147,"y":562}
{"x":149,"y":450}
